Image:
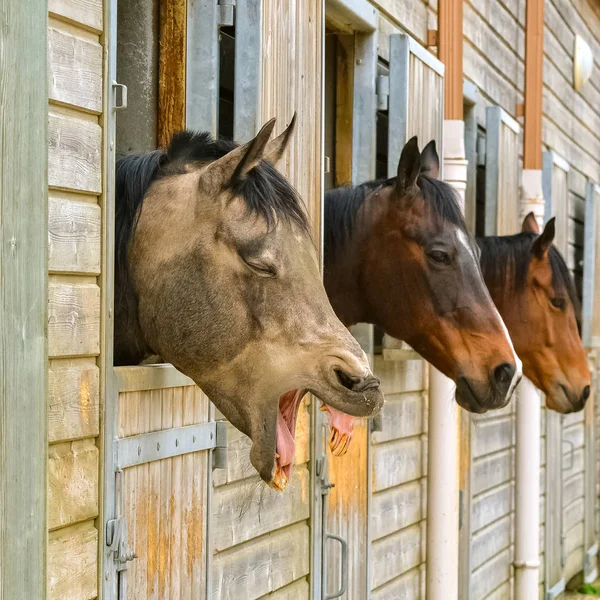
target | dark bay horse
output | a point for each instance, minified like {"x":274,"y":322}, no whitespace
{"x":398,"y":255}
{"x":531,"y":285}
{"x":218,"y":275}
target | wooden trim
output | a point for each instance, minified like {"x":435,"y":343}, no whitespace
{"x":344,"y":107}
{"x":171,"y":69}
{"x":450,"y":52}
{"x":534,"y":61}
{"x":23,"y":299}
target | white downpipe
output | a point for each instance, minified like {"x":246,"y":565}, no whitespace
{"x":527,"y":485}
{"x":442,"y":440}
{"x":442,"y":489}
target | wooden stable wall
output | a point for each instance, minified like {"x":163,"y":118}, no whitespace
{"x":75,"y":180}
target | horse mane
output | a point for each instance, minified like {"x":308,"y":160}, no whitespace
{"x":343,"y":204}
{"x":264,"y":190}
{"x":510,"y":255}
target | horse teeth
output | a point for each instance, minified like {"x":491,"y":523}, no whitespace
{"x":277,"y":456}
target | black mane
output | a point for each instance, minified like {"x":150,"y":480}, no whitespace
{"x":343,"y":204}
{"x":265,"y":191}
{"x":506,"y":254}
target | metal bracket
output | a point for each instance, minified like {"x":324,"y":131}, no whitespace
{"x":226,"y":13}
{"x":382,"y":89}
{"x":116,"y":87}
{"x":219,"y":455}
{"x":556,"y":591}
{"x":116,"y":539}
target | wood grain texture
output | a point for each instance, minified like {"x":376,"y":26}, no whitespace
{"x":490,"y":576}
{"x":74,"y":70}
{"x":72,"y":483}
{"x":74,"y":154}
{"x":86,"y":13}
{"x":73,"y":402}
{"x":405,"y":587}
{"x":266,"y":564}
{"x":491,"y":506}
{"x":395,"y":555}
{"x":23,"y":281}
{"x":171,"y":78}
{"x":73,"y":320}
{"x":395,"y":509}
{"x":402,"y":417}
{"x":299,"y":590}
{"x":72,"y":563}
{"x":490,"y":541}
{"x":396,"y":462}
{"x":74,"y":237}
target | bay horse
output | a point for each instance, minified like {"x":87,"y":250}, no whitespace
{"x":216,"y":273}
{"x":533,"y":290}
{"x":398,"y":255}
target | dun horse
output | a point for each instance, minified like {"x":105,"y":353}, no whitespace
{"x":533,"y":290}
{"x":217,"y":274}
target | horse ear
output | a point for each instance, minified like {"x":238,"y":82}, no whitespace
{"x":530,"y":224}
{"x":409,"y":167}
{"x":542,"y":244}
{"x":235,"y":165}
{"x":430,"y":161}
{"x":275,"y":148}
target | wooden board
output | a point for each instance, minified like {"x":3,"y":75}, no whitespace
{"x":73,"y":402}
{"x":86,"y":13}
{"x":491,"y":576}
{"x":74,"y":153}
{"x":73,"y":320}
{"x":72,"y":554}
{"x":74,"y":237}
{"x":396,"y":508}
{"x":74,"y":70}
{"x":405,"y":587}
{"x":72,"y":483}
{"x":396,"y":462}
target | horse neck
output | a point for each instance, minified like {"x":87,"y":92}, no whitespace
{"x":343,"y":268}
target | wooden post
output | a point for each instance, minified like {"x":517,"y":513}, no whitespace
{"x":450,"y":40}
{"x":23,"y":298}
{"x":534,"y":62}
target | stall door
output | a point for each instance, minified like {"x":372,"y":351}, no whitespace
{"x":591,"y":339}
{"x":556,"y":196}
{"x":487,"y":542}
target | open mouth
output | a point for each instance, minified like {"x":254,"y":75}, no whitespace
{"x":287,"y":416}
{"x":341,"y":428}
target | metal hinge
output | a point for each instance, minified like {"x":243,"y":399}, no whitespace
{"x":116,"y":539}
{"x":219,"y":455}
{"x":382,"y":89}
{"x":119,"y":91}
{"x":226,"y":13}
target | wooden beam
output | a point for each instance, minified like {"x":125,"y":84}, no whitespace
{"x":450,"y":52}
{"x":171,"y":69}
{"x":23,"y":298}
{"x":534,"y":61}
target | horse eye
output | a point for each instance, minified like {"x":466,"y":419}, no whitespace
{"x":559,"y":303}
{"x":260,"y":269}
{"x":439,"y":257}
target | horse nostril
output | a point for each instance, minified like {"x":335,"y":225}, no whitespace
{"x":586,"y":393}
{"x":357,"y":384}
{"x":503,"y":374}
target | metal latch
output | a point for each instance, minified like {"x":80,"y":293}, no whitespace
{"x":344,"y":574}
{"x":382,"y":89}
{"x":219,"y":455}
{"x":226,"y":14}
{"x":116,"y":539}
{"x":119,"y":95}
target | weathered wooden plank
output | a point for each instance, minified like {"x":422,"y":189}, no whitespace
{"x":575,"y":434}
{"x":491,"y":575}
{"x":395,"y":509}
{"x":573,"y":489}
{"x":492,"y":470}
{"x":72,"y":563}
{"x":394,"y":555}
{"x":410,"y":16}
{"x":574,"y":563}
{"x":73,"y":402}
{"x":74,"y":154}
{"x":82,"y":12}
{"x":262,"y":565}
{"x":491,"y":506}
{"x":574,"y":464}
{"x":73,"y":320}
{"x":492,"y":436}
{"x":399,"y":377}
{"x":243,"y":510}
{"x":74,"y":70}
{"x":299,"y":590}
{"x":490,"y":541}
{"x":573,"y":513}
{"x":396,"y":462}
{"x":74,"y":237}
{"x":402,"y":417}
{"x":405,"y":587}
{"x":72,"y":483}
{"x":23,"y":280}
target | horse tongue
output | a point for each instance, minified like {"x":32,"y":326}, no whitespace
{"x":342,"y":428}
{"x":286,"y":445}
